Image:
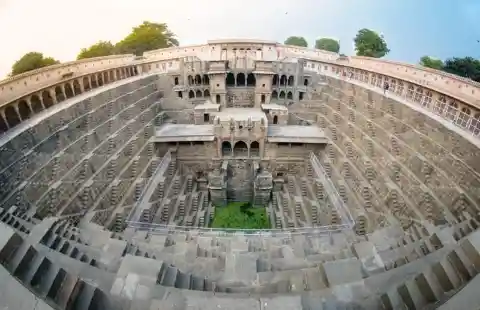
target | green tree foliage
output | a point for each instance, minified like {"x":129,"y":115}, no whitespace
{"x":327,"y":44}
{"x":146,"y":37}
{"x":430,"y":62}
{"x":240,"y":215}
{"x":101,"y":48}
{"x":297,"y":41}
{"x":371,"y":44}
{"x":31,"y":61}
{"x":468,"y":67}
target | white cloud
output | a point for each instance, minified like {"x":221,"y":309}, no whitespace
{"x":59,"y":29}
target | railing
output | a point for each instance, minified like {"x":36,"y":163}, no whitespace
{"x":332,"y":193}
{"x":150,"y":188}
{"x":169,"y":229}
{"x":464,"y":119}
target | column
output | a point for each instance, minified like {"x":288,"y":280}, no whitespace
{"x":53,"y":95}
{"x":15,"y":105}
{"x":29,"y":103}
{"x":2,"y":114}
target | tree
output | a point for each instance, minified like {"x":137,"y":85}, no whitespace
{"x":31,"y":61}
{"x":371,"y":44}
{"x":297,"y":41}
{"x":430,"y":62}
{"x":101,"y":48}
{"x":327,"y":44}
{"x":146,"y":37}
{"x":468,"y":67}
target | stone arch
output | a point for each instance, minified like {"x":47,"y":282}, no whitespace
{"x":275,"y":119}
{"x":135,"y":70}
{"x":475,"y":124}
{"x":126,"y":72}
{"x":76,"y":87}
{"x":191,"y":94}
{"x":282,"y":95}
{"x":275,"y":80}
{"x":93,"y":81}
{"x":190,"y":80}
{"x":251,"y":81}
{"x":3,"y":124}
{"x":100,"y":80}
{"x":11,"y":116}
{"x":24,"y":110}
{"x":119,"y":74}
{"x":105,"y":77}
{"x":240,"y":148}
{"x":226,"y":148}
{"x":175,"y":81}
{"x":218,"y":99}
{"x":289,"y":95}
{"x":241,"y":79}
{"x":36,"y":104}
{"x":262,"y":98}
{"x":59,"y":94}
{"x":206,"y":80}
{"x":198,"y":94}
{"x":410,"y":92}
{"x":230,"y":79}
{"x":291,"y":80}
{"x":254,"y":148}
{"x":274,"y":94}
{"x":111,"y":76}
{"x":305,"y":82}
{"x":47,"y":99}
{"x":68,"y":90}
{"x":283,"y":80}
{"x":198,"y":79}
{"x":206,"y":93}
{"x":86,"y":83}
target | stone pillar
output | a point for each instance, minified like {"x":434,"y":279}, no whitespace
{"x":29,"y":103}
{"x":53,"y":95}
{"x":2,"y":114}
{"x":15,"y":106}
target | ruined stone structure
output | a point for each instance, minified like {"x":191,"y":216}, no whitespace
{"x":112,"y":168}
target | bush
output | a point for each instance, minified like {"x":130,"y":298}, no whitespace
{"x":240,"y":215}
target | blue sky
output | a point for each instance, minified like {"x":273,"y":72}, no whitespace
{"x":412,"y":28}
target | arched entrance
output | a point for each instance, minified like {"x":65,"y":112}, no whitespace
{"x":240,"y":149}
{"x":68,"y":90}
{"x":274,"y":94}
{"x":206,"y":93}
{"x":198,"y":79}
{"x":240,"y":79}
{"x":275,"y":80}
{"x":255,"y":149}
{"x":86,"y":83}
{"x":190,"y":80}
{"x":230,"y":79}
{"x":290,"y":80}
{"x":198,"y":94}
{"x":175,"y":81}
{"x":275,"y":119}
{"x":93,"y":81}
{"x":47,"y":99}
{"x":289,"y":95}
{"x":282,"y":95}
{"x":77,"y":90}
{"x":59,"y":94}
{"x":251,"y":81}
{"x":226,"y":148}
{"x":262,"y":99}
{"x":206,"y":80}
{"x":218,"y":99}
{"x":11,"y":116}
{"x":24,"y":110}
{"x":305,"y":82}
{"x":36,"y":104}
{"x":100,"y":80}
{"x":191,"y":94}
{"x":283,"y":80}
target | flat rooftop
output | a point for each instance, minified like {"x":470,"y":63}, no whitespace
{"x":273,"y":106}
{"x":296,"y":134}
{"x":183,"y":132}
{"x":208,"y":105}
{"x":241,"y":114}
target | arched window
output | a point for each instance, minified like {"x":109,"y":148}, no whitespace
{"x":282,"y":95}
{"x":254,"y":149}
{"x":410,"y":92}
{"x":86,"y":84}
{"x":240,"y":79}
{"x":218,"y":99}
{"x":373,"y":81}
{"x":283,"y":80}
{"x":191,"y":94}
{"x":440,"y":105}
{"x":240,"y":149}
{"x":380,"y":80}
{"x":11,"y":116}
{"x":274,"y":94}
{"x":190,"y":80}
{"x":47,"y":99}
{"x":275,"y":80}
{"x":452,"y":110}
{"x":419,"y":95}
{"x":226,"y":148}
{"x":59,"y":94}
{"x":198,"y":94}
{"x":427,"y":99}
{"x":68,"y":90}
{"x":262,"y":98}
{"x":206,"y":93}
{"x":393,"y":86}
{"x":198,"y":79}
{"x":206,"y":80}
{"x":77,"y":90}
{"x":463,"y":117}
{"x":289,"y":95}
{"x":305,"y":82}
{"x":175,"y":81}
{"x":251,"y":81}
{"x":275,"y":119}
{"x":290,"y":80}
{"x":400,"y":88}
{"x":230,"y":79}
